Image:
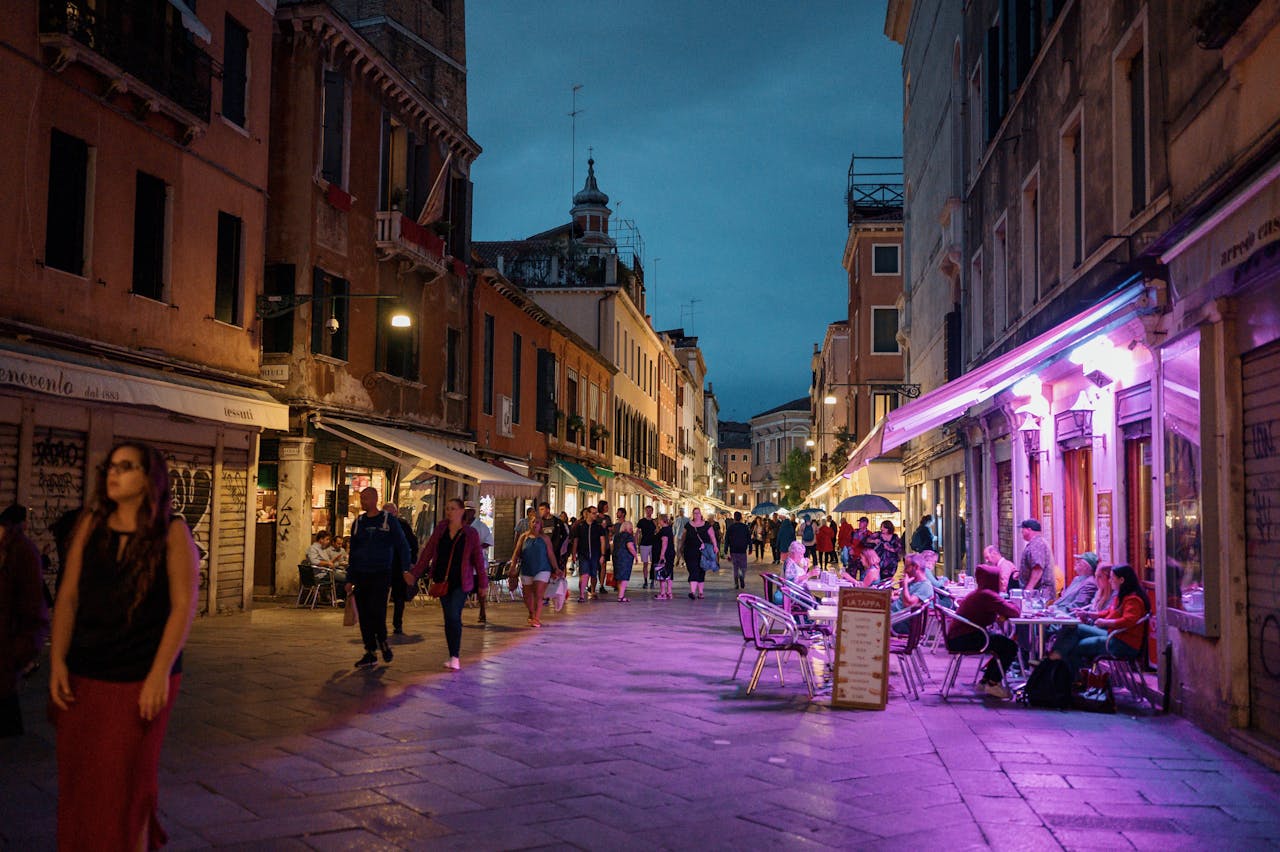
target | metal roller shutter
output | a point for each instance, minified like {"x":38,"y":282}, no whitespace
{"x":1262,"y":534}
{"x":8,"y":463}
{"x":232,"y":505}
{"x":191,"y":482}
{"x":58,"y":458}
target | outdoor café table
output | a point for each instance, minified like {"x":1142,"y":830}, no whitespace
{"x":1039,"y":622}
{"x":825,"y":588}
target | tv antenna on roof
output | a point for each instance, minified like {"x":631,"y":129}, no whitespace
{"x":573,"y":141}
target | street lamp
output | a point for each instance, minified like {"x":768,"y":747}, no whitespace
{"x":270,"y":307}
{"x":911,"y":391}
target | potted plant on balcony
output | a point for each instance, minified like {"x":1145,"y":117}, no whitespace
{"x":397,"y":198}
{"x":575,"y":425}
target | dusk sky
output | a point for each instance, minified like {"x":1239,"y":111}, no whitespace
{"x":722,"y":130}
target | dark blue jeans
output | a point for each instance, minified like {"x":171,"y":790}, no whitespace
{"x":1081,"y":646}
{"x":451,"y":604}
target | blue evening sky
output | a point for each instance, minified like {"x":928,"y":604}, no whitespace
{"x":723,"y":130}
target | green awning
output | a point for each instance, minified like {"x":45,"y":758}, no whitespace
{"x":604,"y":472}
{"x":578,"y":473}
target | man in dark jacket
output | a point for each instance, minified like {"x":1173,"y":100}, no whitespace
{"x":922,"y":538}
{"x":400,"y":592}
{"x":377,"y":546}
{"x":738,"y":538}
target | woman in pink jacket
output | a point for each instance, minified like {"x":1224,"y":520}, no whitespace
{"x":453,"y":555}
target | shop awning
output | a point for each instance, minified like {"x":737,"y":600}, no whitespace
{"x":640,"y":484}
{"x":579,"y":474}
{"x":827,"y":486}
{"x":93,"y":379}
{"x":603,"y":472}
{"x":951,"y":400}
{"x":430,"y":452}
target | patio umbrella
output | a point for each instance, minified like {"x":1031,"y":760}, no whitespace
{"x":765,"y":509}
{"x":865,"y":503}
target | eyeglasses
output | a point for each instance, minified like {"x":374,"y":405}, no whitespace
{"x":121,"y":467}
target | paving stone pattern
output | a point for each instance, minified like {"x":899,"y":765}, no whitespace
{"x":616,"y":726}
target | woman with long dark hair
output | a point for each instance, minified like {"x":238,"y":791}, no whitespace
{"x":453,"y":556}
{"x":697,"y":533}
{"x":122,"y":615}
{"x":1087,"y":642}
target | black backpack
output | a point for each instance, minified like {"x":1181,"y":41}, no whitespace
{"x":1049,"y":685}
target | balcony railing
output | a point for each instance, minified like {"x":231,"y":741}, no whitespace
{"x":137,"y":37}
{"x":399,"y":236}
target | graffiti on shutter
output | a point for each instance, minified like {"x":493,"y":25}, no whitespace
{"x":8,"y":464}
{"x":1261,"y":416}
{"x":232,"y":504}
{"x":191,"y":487}
{"x":57,"y":483}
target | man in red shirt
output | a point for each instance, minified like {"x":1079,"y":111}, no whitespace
{"x":984,"y":607}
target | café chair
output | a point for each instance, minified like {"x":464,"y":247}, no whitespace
{"x":1127,"y":671}
{"x":958,"y":657}
{"x":906,"y":648}
{"x":774,"y":630}
{"x":745,"y":615}
{"x":310,"y":586}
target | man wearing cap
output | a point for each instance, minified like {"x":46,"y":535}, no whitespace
{"x":1080,"y":591}
{"x":1036,"y":568}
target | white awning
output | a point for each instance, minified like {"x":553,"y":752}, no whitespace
{"x":120,"y":384}
{"x":949,"y":401}
{"x":432,"y":452}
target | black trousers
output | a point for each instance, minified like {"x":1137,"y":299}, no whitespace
{"x":399,"y":594}
{"x":1002,"y":647}
{"x":371,"y":607}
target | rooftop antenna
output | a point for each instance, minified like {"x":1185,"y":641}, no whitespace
{"x":692,"y":304}
{"x":573,"y":142}
{"x":652,"y":294}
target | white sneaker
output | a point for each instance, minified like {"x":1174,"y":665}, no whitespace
{"x":997,"y":690}
{"x":453,"y":663}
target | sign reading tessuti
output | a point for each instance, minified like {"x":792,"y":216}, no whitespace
{"x":42,"y":375}
{"x":861,"y":675}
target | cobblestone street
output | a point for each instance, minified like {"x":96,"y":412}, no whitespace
{"x":617,"y":727}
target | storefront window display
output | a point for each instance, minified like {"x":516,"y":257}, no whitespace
{"x":358,"y":479}
{"x":322,"y":497}
{"x":1180,"y":378}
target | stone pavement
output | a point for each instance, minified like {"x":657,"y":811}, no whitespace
{"x":616,"y":726}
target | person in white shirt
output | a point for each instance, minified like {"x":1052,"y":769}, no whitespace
{"x":486,"y":547}
{"x":321,"y":557}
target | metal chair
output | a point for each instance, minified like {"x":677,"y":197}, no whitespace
{"x":773,"y":629}
{"x":308,"y":587}
{"x":745,"y":614}
{"x":1127,"y":671}
{"x":958,"y":657}
{"x":906,"y":648}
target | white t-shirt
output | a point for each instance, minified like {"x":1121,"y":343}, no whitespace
{"x":486,"y":534}
{"x":794,"y":571}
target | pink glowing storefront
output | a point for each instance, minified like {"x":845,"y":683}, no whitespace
{"x":1147,"y":428}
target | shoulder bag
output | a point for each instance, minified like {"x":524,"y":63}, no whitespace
{"x":440,"y":588}
{"x":710,"y":561}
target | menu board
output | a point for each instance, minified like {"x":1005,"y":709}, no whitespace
{"x":861,"y":676}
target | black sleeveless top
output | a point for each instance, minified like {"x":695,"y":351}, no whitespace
{"x":105,"y":644}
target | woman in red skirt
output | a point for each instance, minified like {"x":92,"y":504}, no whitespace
{"x":127,"y":600}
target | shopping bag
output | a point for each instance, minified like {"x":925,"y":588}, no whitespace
{"x":349,"y":611}
{"x":559,"y":591}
